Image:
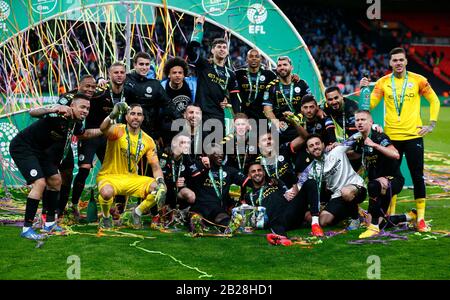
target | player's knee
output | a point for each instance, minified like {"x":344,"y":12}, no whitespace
{"x":348,"y":193}
{"x":39,"y":185}
{"x":188,"y":195}
{"x":325,"y":218}
{"x":107,"y":192}
{"x":54,"y":182}
{"x":86,"y":166}
{"x":152,"y":187}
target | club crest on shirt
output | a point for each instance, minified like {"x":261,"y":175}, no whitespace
{"x":81,"y":157}
{"x":63,"y":101}
{"x":281,"y":158}
{"x":262,"y":78}
{"x":33,"y":172}
{"x":297,"y":89}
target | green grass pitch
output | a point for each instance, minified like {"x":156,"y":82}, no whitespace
{"x":245,"y":256}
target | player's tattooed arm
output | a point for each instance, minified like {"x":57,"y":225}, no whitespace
{"x":57,"y":109}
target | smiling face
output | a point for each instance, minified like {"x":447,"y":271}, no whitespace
{"x":284,"y":68}
{"x":254,"y":59}
{"x":256,"y":174}
{"x":315,"y":147}
{"x":220,"y":51}
{"x":87,"y":86}
{"x":242,"y":127}
{"x":193,"y":114}
{"x":398,"y":63}
{"x":265,"y":143}
{"x":142,"y":66}
{"x":335,"y":100}
{"x":181,"y":144}
{"x":80,"y":108}
{"x":135,"y":117}
{"x":216,"y":155}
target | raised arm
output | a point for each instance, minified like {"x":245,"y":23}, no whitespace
{"x":195,"y":43}
{"x":106,"y":127}
{"x":62,"y":110}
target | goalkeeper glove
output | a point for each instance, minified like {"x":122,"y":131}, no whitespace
{"x":119,"y":108}
{"x":161,"y":191}
{"x":296,"y":120}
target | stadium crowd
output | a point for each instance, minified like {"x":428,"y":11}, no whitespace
{"x":343,"y":57}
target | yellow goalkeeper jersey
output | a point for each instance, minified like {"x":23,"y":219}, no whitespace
{"x":124,"y":150}
{"x":404,"y":127}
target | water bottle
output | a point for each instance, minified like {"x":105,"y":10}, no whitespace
{"x":261,"y":217}
{"x":92,"y":213}
{"x":364,"y":97}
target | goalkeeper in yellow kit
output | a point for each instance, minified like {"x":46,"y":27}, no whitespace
{"x":401,"y":91}
{"x":126,"y":145}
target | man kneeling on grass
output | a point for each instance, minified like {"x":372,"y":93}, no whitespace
{"x":127,"y":144}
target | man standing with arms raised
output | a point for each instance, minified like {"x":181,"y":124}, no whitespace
{"x":217,"y":84}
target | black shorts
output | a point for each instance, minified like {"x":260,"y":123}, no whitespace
{"x":341,"y":209}
{"x":88,"y":148}
{"x":33,"y":164}
{"x":208,"y":211}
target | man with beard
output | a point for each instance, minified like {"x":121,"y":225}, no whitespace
{"x":127,"y":144}
{"x":252,"y":82}
{"x":192,"y":126}
{"x":314,"y":124}
{"x":277,"y":161}
{"x":334,"y":170}
{"x":284,"y":95}
{"x":102,"y":104}
{"x":280,"y":211}
{"x":38,"y":151}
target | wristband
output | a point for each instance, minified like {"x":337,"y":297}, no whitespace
{"x":160,"y":180}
